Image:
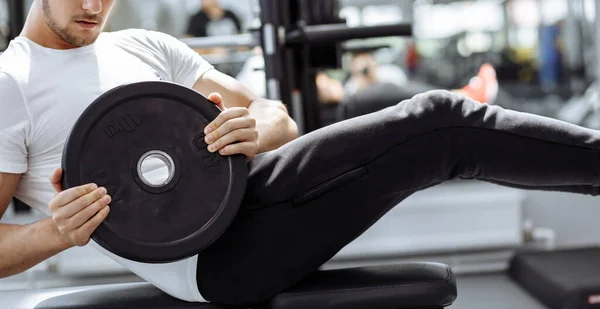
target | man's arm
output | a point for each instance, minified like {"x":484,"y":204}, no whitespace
{"x":274,"y":125}
{"x":22,"y":247}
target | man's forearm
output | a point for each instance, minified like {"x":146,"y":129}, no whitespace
{"x":274,"y":125}
{"x":22,"y":247}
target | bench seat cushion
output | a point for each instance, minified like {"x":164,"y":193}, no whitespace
{"x":408,"y":285}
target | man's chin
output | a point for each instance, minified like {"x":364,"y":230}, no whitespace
{"x":89,"y":41}
{"x":81,"y":37}
{"x":81,"y":41}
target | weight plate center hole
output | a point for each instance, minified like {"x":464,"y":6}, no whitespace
{"x":156,"y":168}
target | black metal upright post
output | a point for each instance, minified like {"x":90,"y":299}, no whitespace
{"x":279,"y":68}
{"x":270,"y":46}
{"x":282,"y":73}
{"x":314,"y":56}
{"x":296,"y":65}
{"x":307,"y":72}
{"x":16,"y":17}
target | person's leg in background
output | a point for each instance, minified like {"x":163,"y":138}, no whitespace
{"x":483,"y":87}
{"x":310,"y":198}
{"x":380,"y":93}
{"x":365,"y":71}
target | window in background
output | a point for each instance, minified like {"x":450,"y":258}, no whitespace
{"x":525,"y":17}
{"x":381,"y":14}
{"x":445,"y":20}
{"x":352,"y":15}
{"x":590,"y":10}
{"x":553,"y":11}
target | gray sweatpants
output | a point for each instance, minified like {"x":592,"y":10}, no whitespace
{"x":313,"y":196}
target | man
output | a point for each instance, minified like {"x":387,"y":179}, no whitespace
{"x":365,"y":71}
{"x":213,"y":20}
{"x":306,"y":197}
{"x":61,"y":63}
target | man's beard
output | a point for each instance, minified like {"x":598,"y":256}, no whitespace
{"x":63,"y":33}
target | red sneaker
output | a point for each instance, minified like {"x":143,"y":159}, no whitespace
{"x":483,"y":87}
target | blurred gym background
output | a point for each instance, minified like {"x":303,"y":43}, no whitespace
{"x":546,"y":56}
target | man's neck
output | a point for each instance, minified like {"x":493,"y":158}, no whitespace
{"x":38,"y":31}
{"x":46,"y":39}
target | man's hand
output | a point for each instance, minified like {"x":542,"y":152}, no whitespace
{"x":78,"y":211}
{"x":232,"y":132}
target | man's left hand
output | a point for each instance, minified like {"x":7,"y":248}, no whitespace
{"x":232,"y":132}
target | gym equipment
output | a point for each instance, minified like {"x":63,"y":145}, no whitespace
{"x":160,"y":215}
{"x":299,"y":37}
{"x":563,"y":279}
{"x":298,"y":41}
{"x":402,"y":286}
{"x":341,"y":32}
{"x":304,"y":35}
{"x":238,"y":40}
{"x":583,"y":110}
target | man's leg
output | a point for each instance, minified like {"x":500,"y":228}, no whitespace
{"x":310,"y":198}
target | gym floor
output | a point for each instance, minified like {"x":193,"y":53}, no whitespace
{"x":492,"y":291}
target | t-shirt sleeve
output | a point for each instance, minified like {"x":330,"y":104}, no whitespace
{"x":184,"y":65}
{"x":14,"y":127}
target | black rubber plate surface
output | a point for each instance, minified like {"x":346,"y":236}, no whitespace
{"x":147,"y":224}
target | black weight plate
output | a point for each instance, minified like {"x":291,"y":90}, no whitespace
{"x":148,"y":224}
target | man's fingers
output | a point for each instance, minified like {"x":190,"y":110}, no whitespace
{"x":65,"y":197}
{"x":86,"y":213}
{"x":86,"y":230}
{"x":80,"y":195}
{"x":229,"y":127}
{"x":250,"y":149}
{"x":217,"y":99}
{"x":236,"y":136}
{"x":73,"y":219}
{"x":224,"y":117}
{"x":55,"y":180}
{"x":81,"y":203}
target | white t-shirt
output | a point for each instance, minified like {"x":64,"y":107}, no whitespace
{"x":44,"y":91}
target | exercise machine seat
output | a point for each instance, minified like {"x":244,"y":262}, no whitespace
{"x":402,"y":286}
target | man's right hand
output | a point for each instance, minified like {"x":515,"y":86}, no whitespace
{"x":78,"y":211}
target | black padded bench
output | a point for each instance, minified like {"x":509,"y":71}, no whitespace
{"x":402,"y":286}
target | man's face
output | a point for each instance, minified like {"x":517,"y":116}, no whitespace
{"x":77,"y":22}
{"x":209,"y":4}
